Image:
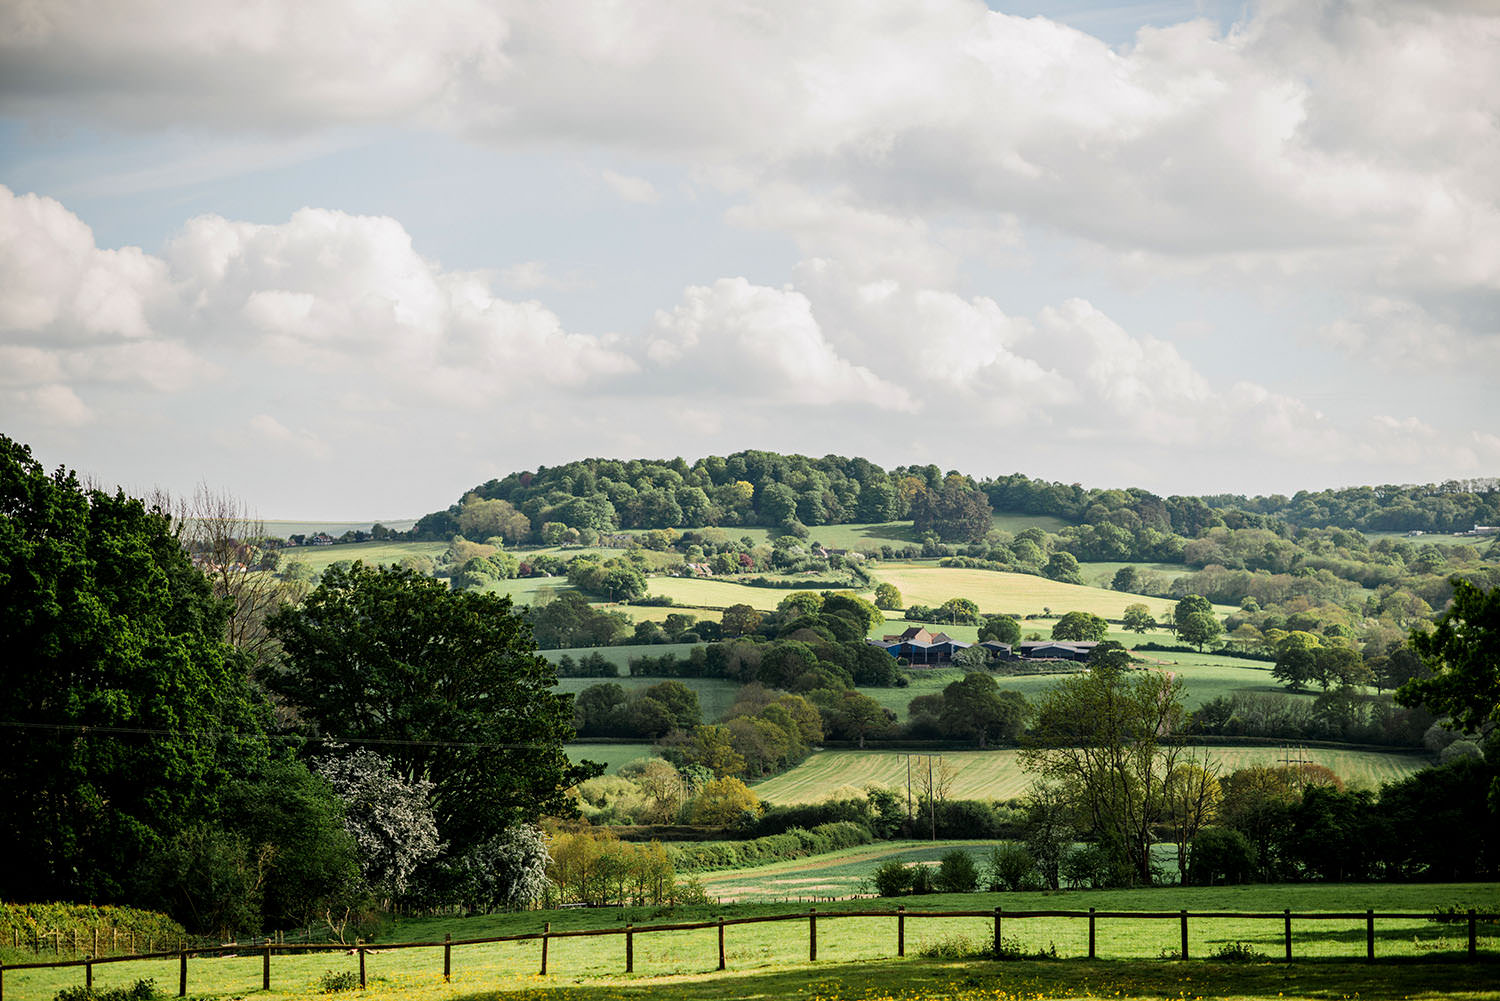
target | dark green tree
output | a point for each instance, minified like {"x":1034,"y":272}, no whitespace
{"x":1080,"y":626}
{"x":451,"y":679}
{"x":1001,"y":629}
{"x":127,"y":712}
{"x":1196,"y":622}
{"x":1463,"y":653}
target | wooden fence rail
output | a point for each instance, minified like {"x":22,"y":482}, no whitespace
{"x":812,"y":916}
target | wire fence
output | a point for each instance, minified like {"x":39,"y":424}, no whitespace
{"x":998,"y":918}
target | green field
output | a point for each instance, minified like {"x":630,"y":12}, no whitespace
{"x":320,"y":557}
{"x":857,"y":956}
{"x":611,"y":756}
{"x":1102,"y":573}
{"x":699,"y":592}
{"x":997,"y":774}
{"x":1013,"y":593}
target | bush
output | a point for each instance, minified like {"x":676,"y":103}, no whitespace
{"x":950,"y":947}
{"x":1010,"y":867}
{"x":1237,"y":952}
{"x":707,"y":856}
{"x":892,"y":878}
{"x":922,"y":880}
{"x":332,"y":983}
{"x":958,"y":873}
{"x":141,"y":990}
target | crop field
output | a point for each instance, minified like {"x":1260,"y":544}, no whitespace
{"x":697,"y":592}
{"x":372,"y":553}
{"x":998,"y":592}
{"x":997,"y":774}
{"x":523,"y":590}
{"x":856,"y":957}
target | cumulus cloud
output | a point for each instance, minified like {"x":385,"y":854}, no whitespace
{"x":324,"y":291}
{"x":737,"y":337}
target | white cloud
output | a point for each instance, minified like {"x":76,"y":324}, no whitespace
{"x":325,"y":291}
{"x":761,"y":343}
{"x":637,"y":190}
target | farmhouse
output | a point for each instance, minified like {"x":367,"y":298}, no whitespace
{"x":920,"y":646}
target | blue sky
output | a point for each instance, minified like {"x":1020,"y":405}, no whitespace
{"x":346,"y":262}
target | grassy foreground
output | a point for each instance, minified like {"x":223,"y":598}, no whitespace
{"x":946,"y":957}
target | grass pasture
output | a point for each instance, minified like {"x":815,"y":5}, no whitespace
{"x":715,"y":695}
{"x":857,"y":956}
{"x":997,"y":774}
{"x":698,"y":592}
{"x":611,"y":756}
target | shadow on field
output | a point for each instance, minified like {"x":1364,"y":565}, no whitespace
{"x":913,"y":979}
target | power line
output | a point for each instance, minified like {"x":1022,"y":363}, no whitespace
{"x":127,"y":731}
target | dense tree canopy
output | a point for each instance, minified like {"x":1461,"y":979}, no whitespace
{"x":450,"y":679}
{"x":1463,"y":653}
{"x":128,"y":713}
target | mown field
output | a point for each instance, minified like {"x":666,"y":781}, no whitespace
{"x":997,"y":774}
{"x":857,"y":956}
{"x":319,"y":558}
{"x":1010,"y":593}
{"x":284,"y":529}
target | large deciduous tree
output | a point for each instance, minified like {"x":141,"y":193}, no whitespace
{"x":127,"y":712}
{"x":954,"y":512}
{"x":450,"y":680}
{"x":1196,"y":622}
{"x":1080,"y":626}
{"x":1107,"y":737}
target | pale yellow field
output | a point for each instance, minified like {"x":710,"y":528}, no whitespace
{"x":701,"y":593}
{"x":998,"y":775}
{"x":1021,"y":594}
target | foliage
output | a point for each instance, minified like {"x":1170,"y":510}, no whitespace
{"x":892,"y":878}
{"x":1137,"y":618}
{"x":141,"y":990}
{"x":887,"y":597}
{"x":1195,"y":621}
{"x":1237,"y":952}
{"x":389,"y":817}
{"x":332,"y":982}
{"x":1463,"y":652}
{"x":793,"y":843}
{"x":723,"y":801}
{"x":957,"y":873}
{"x":1107,"y":736}
{"x":954,"y":511}
{"x":1080,"y":626}
{"x":508,"y":871}
{"x":136,"y":713}
{"x":451,"y":678}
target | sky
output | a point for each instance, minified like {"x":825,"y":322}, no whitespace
{"x":345,"y":260}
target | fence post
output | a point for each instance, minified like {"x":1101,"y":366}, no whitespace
{"x":1369,"y":936}
{"x":721,"y":941}
{"x":1473,"y":942}
{"x":96,"y":940}
{"x":1091,"y":933}
{"x":812,"y":934}
{"x":1286,"y":921}
{"x":1184,"y":934}
{"x":546,"y":934}
{"x":997,"y":932}
{"x":88,"y":974}
{"x":2,"y":980}
{"x":265,"y":967}
{"x":901,"y":930}
{"x":182,"y":972}
{"x":361,"y":967}
{"x":448,"y":957}
{"x":629,"y":948}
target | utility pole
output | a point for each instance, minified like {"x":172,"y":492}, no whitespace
{"x":931,"y":798}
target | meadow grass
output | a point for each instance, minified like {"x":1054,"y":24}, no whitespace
{"x":857,"y":956}
{"x":698,"y":592}
{"x":997,"y":773}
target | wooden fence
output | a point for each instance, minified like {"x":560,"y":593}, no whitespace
{"x":811,"y":917}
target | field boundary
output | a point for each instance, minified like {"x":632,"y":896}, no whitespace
{"x":812,"y":917}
